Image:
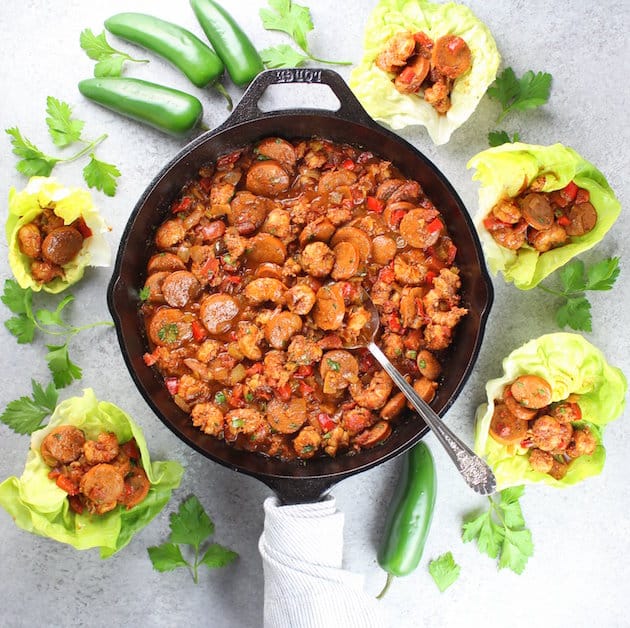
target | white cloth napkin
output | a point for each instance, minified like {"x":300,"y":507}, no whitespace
{"x":305,"y":587}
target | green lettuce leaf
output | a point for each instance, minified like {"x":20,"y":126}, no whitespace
{"x":69,"y":204}
{"x":571,"y":365}
{"x":503,"y":170}
{"x":39,"y":506}
{"x":375,"y":89}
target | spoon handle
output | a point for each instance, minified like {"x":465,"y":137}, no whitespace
{"x":473,"y":469}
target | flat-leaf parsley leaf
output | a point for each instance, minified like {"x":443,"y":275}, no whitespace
{"x":501,"y":532}
{"x":190,"y":526}
{"x":444,"y":571}
{"x":518,"y":94}
{"x":25,"y":415}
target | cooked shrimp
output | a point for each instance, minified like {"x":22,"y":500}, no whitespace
{"x":249,"y":337}
{"x":410,"y":267}
{"x":208,"y":417}
{"x":583,"y":443}
{"x":62,"y":445}
{"x":548,"y":239}
{"x":30,"y":240}
{"x":281,"y":328}
{"x":303,"y":351}
{"x":300,"y":299}
{"x":265,"y":289}
{"x":507,"y":210}
{"x":103,"y":449}
{"x":246,"y":421}
{"x":399,"y":48}
{"x":375,"y":394}
{"x":317,"y":259}
{"x":358,"y":419}
{"x":550,"y":435}
{"x":307,"y":442}
{"x":541,"y":461}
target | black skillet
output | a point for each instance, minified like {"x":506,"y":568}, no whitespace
{"x":295,"y":482}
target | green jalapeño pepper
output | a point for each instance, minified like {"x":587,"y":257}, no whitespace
{"x":180,"y":47}
{"x":161,"y":107}
{"x":237,"y":52}
{"x":409,"y":520}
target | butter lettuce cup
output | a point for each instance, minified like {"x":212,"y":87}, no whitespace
{"x":539,"y":206}
{"x":54,"y":232}
{"x":39,"y":505}
{"x":572,"y":394}
{"x":424,"y":63}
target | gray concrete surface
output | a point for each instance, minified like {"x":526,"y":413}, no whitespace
{"x":579,"y":573}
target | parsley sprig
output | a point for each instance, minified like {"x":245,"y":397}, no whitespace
{"x":496,"y":138}
{"x":110,"y":61}
{"x":64,"y":131}
{"x":295,"y":20}
{"x":500,"y":532}
{"x":576,"y":279}
{"x":27,"y":322}
{"x":444,"y":571}
{"x":26,"y":414}
{"x":518,"y":94}
{"x":190,"y":528}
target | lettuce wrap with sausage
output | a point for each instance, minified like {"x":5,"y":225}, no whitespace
{"x":69,"y":204}
{"x":374,"y":87}
{"x":505,"y":171}
{"x":38,"y":505}
{"x":571,"y":365}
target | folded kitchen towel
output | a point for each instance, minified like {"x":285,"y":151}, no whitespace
{"x":305,"y":587}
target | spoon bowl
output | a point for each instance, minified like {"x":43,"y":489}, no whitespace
{"x":475,"y":471}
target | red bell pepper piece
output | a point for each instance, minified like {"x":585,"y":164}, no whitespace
{"x":570,"y":191}
{"x":82,"y":228}
{"x":348,"y":164}
{"x":172,"y":384}
{"x":182,"y":206}
{"x":66,"y":484}
{"x":393,"y":322}
{"x":374,"y":204}
{"x":582,"y":196}
{"x":206,"y":184}
{"x":254,"y":369}
{"x":396,"y":216}
{"x":304,"y":370}
{"x":564,"y":221}
{"x":284,"y":392}
{"x":434,"y":225}
{"x":305,"y":389}
{"x":198,"y":331}
{"x":430,"y":277}
{"x":326,"y":422}
{"x":149,"y":359}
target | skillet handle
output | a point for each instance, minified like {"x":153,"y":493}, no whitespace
{"x":350,"y":109}
{"x":292,"y":491}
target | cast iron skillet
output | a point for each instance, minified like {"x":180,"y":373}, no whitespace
{"x":295,"y":482}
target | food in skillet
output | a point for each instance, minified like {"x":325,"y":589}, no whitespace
{"x":88,"y":479}
{"x":538,"y":207}
{"x":255,"y":287}
{"x":545,"y":416}
{"x":424,"y":63}
{"x":53,"y":233}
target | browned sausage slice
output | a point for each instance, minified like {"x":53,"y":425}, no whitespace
{"x":583,"y":218}
{"x":374,"y":435}
{"x":451,"y":56}
{"x":269,"y":271}
{"x":531,"y":391}
{"x":170,"y":327}
{"x":410,"y":80}
{"x":281,"y":328}
{"x":217,"y":312}
{"x":419,"y":229}
{"x":154,"y":285}
{"x":277,"y":149}
{"x":428,"y":365}
{"x":387,"y":188}
{"x":519,"y":411}
{"x":248,"y":212}
{"x":505,"y":428}
{"x":358,"y":238}
{"x":164,"y":261}
{"x":347,"y":261}
{"x":329,"y":308}
{"x":340,"y":362}
{"x":537,"y":211}
{"x":286,"y":417}
{"x":61,"y":245}
{"x":63,"y":444}
{"x":267,"y":178}
{"x":383,"y":249}
{"x":264,"y":247}
{"x":180,"y":288}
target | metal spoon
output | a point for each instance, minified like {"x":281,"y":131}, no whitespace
{"x":472,"y":468}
